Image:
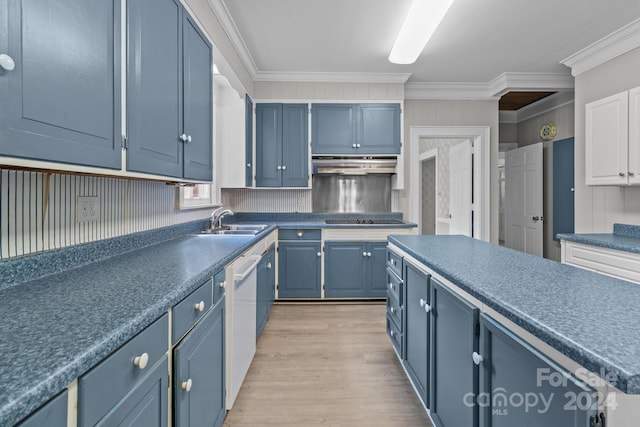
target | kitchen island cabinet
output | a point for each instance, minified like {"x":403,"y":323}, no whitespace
{"x":61,"y":105}
{"x":536,"y":337}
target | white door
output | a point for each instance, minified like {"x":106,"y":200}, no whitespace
{"x":523,"y":200}
{"x":460,"y":189}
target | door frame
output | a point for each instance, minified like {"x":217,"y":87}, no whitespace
{"x":480,"y":137}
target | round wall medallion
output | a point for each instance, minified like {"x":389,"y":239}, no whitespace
{"x":548,"y":132}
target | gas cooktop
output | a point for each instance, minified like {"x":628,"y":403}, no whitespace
{"x":363,"y":221}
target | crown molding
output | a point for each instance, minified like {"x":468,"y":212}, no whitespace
{"x":229,"y":27}
{"x":615,"y":44}
{"x":508,"y":82}
{"x":279,"y":76}
{"x":449,"y":91}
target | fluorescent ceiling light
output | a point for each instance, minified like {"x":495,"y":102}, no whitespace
{"x":421,"y":22}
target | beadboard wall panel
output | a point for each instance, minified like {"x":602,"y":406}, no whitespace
{"x":254,"y":200}
{"x":38,"y":210}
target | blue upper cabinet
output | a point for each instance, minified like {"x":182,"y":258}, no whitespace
{"x":282,"y":153}
{"x":198,"y":103}
{"x":378,"y":129}
{"x":248,"y":141}
{"x":61,"y":102}
{"x":333,"y":129}
{"x":355,"y":128}
{"x":169,"y":92}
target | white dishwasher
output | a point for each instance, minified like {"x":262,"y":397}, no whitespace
{"x":241,"y":322}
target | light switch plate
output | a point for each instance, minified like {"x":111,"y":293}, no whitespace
{"x":87,"y":209}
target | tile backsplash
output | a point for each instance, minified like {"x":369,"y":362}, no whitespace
{"x":38,"y":210}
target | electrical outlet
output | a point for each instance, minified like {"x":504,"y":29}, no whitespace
{"x":87,"y":209}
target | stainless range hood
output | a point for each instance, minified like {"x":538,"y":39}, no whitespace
{"x":364,"y":165}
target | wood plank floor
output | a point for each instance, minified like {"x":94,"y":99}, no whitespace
{"x":328,"y":365}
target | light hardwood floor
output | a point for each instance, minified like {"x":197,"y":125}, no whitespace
{"x":326,"y":365}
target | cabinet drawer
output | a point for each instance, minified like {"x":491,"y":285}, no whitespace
{"x":394,"y":262}
{"x":396,"y":337}
{"x":299,"y":234}
{"x":218,"y":287}
{"x":394,"y":310}
{"x":100,"y":389}
{"x":612,"y":262}
{"x":188,"y":311}
{"x":394,"y":286}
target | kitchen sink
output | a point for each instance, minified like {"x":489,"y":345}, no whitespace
{"x":238,"y":230}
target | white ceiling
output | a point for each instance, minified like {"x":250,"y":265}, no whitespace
{"x":477,"y":41}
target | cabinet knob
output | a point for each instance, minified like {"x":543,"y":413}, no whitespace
{"x":141,"y":361}
{"x":427,"y":308}
{"x":269,"y":265}
{"x":222,"y":284}
{"x":392,"y":310}
{"x":7,"y":62}
{"x":391,"y":332}
{"x":393,"y":261}
{"x":248,"y":165}
{"x":284,"y":168}
{"x":391,"y":286}
{"x":188,"y":138}
{"x":183,"y":137}
{"x":422,"y":302}
{"x":199,"y":306}
{"x":319,"y":254}
{"x":621,"y":174}
{"x":368,"y":253}
{"x":300,"y":233}
{"x":364,"y":254}
{"x":357,"y":145}
{"x":477,"y":359}
{"x":186,"y":385}
{"x":279,"y":168}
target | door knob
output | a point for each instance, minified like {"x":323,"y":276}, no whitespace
{"x":630,"y":173}
{"x":621,"y":174}
{"x":6,"y":62}
{"x":535,"y":218}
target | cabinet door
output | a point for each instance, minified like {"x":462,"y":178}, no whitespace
{"x":271,"y":266}
{"x":345,"y":269}
{"x":248,"y":141}
{"x":198,"y":99}
{"x":299,"y":269}
{"x":295,"y":145}
{"x":268,"y":145}
{"x":453,"y":373}
{"x":378,"y":129}
{"x":61,"y":102}
{"x":375,"y":282}
{"x":606,"y":141}
{"x":333,"y":128}
{"x":512,"y":369}
{"x":154,"y":87}
{"x":417,"y":329}
{"x":198,"y":390}
{"x":146,"y":404}
{"x":634,"y":137}
{"x":51,"y":414}
{"x":262,"y":297}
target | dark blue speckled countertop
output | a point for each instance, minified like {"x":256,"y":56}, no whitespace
{"x":66,"y":309}
{"x":624,"y":238}
{"x":591,"y":318}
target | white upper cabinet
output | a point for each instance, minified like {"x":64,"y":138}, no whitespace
{"x":612,"y":140}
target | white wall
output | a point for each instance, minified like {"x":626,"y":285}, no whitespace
{"x":598,"y":208}
{"x":453,"y":113}
{"x":528,"y":132}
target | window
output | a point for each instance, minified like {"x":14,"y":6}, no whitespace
{"x":195,"y":196}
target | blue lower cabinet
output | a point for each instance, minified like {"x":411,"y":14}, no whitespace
{"x":521,"y":387}
{"x":454,"y":376}
{"x":146,"y":405}
{"x":199,"y":381}
{"x":416,"y":333}
{"x":266,"y":277}
{"x":355,"y":269}
{"x":299,"y":269}
{"x":51,"y":414}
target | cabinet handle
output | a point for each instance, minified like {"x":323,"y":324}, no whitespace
{"x":269,"y":265}
{"x":621,"y":174}
{"x":393,"y":261}
{"x":300,"y":233}
{"x":7,"y":62}
{"x":141,"y":361}
{"x":186,"y":385}
{"x":477,"y":358}
{"x":319,"y":254}
{"x":199,"y":306}
{"x":630,"y":173}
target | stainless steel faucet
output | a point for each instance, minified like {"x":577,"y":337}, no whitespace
{"x":215,"y":219}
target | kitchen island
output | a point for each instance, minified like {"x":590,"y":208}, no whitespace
{"x":585,"y":323}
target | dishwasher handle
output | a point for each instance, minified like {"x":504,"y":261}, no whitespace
{"x":252,"y":261}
